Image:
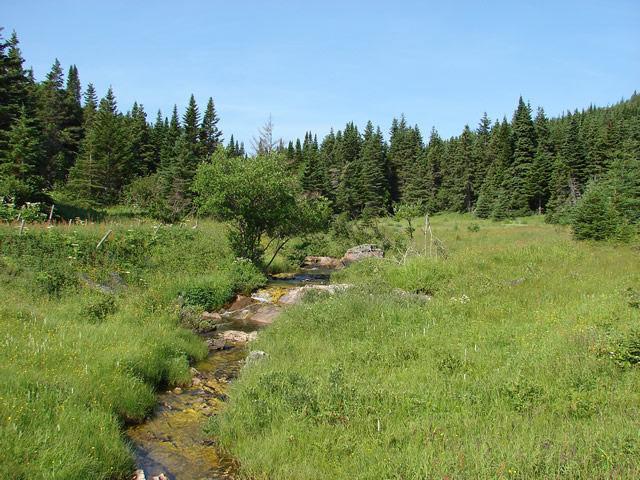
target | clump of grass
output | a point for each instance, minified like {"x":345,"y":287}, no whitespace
{"x":492,"y":378}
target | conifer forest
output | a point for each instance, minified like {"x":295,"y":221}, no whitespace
{"x":58,"y":138}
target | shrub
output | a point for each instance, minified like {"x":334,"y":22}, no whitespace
{"x":244,"y":276}
{"x":210,"y":293}
{"x":97,"y":306}
{"x":594,"y":217}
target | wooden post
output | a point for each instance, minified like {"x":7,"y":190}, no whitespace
{"x":21,"y":227}
{"x":426,"y":225}
{"x":103,"y":239}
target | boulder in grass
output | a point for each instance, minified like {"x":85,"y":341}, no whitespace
{"x":322,"y":263}
{"x":367,"y":250}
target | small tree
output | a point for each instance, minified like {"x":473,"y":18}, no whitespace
{"x":408,"y":211}
{"x":594,"y":216}
{"x":256,"y":198}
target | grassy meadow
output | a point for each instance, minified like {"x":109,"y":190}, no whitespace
{"x":524,"y":364}
{"x":88,"y":335}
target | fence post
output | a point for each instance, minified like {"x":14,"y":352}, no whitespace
{"x":103,"y":239}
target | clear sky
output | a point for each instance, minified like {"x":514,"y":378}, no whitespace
{"x":314,"y":65}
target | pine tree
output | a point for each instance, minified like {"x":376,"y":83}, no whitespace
{"x":111,"y":150}
{"x":157,"y":140}
{"x":191,"y":122}
{"x":518,"y":172}
{"x":434,"y":158}
{"x":139,"y":142}
{"x":14,"y":86}
{"x":19,"y":163}
{"x":372,"y":190}
{"x":481,"y":158}
{"x":501,"y":147}
{"x":210,"y":135}
{"x":539,"y":180}
{"x":456,"y":191}
{"x":314,"y":175}
{"x":594,"y":216}
{"x":417,"y":186}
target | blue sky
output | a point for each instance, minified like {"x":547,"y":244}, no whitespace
{"x":317,"y":65}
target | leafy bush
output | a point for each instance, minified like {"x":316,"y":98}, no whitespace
{"x":55,"y":278}
{"x":96,"y":306}
{"x":208,"y":292}
{"x":244,"y":276}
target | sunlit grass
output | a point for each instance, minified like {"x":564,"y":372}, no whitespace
{"x":88,"y":334}
{"x":518,"y":367}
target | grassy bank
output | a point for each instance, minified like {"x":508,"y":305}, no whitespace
{"x":523,"y":365}
{"x":88,"y":335}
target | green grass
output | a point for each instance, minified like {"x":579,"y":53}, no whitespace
{"x":88,"y":335}
{"x":524,"y":365}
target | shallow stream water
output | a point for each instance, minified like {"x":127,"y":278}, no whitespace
{"x":171,"y":441}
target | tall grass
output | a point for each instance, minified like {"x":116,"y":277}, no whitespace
{"x":523,"y":365}
{"x":88,"y":335}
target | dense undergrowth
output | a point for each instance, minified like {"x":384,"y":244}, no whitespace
{"x":88,"y":335}
{"x":523,"y":365}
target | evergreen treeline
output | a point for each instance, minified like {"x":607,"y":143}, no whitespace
{"x":55,"y":137}
{"x":582,"y":167}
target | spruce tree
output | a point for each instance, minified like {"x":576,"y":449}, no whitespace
{"x":18,"y":164}
{"x":139,"y":140}
{"x":434,"y":158}
{"x":210,"y":134}
{"x":191,"y":122}
{"x":372,"y":190}
{"x":481,"y":158}
{"x":539,"y":180}
{"x":517,"y":173}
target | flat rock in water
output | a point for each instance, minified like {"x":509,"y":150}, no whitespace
{"x":238,"y":337}
{"x":212,"y":317}
{"x":266,"y":314}
{"x":292,"y":297}
{"x":216,"y":343}
{"x":239,"y":303}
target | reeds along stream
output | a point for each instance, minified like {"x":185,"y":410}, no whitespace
{"x":171,"y":442}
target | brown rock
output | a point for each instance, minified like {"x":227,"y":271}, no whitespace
{"x":322,"y":263}
{"x":212,"y":317}
{"x":367,"y":250}
{"x":238,"y":337}
{"x":216,"y":343}
{"x":266,"y":314}
{"x":177,"y":390}
{"x":239,"y":303}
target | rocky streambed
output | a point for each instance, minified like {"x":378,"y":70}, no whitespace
{"x":170,"y":444}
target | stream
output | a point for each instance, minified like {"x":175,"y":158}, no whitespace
{"x":170,"y":441}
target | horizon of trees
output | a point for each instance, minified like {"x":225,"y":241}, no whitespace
{"x":57,"y":138}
